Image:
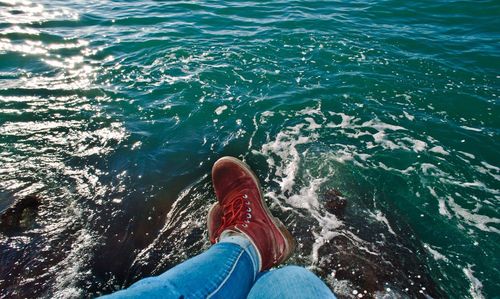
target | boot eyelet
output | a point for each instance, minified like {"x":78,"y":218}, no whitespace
{"x":245,"y":225}
{"x":247,"y":221}
{"x":249,"y":216}
{"x":249,"y":210}
{"x":245,"y":196}
{"x":247,"y":203}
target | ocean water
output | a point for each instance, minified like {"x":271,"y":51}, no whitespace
{"x":113,"y":112}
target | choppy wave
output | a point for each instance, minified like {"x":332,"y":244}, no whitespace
{"x":111,"y":114}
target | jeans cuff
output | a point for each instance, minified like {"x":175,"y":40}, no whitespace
{"x":247,"y":246}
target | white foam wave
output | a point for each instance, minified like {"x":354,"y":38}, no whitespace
{"x":475,"y":285}
{"x":220,"y":109}
{"x":299,"y":184}
{"x":441,"y":203}
{"x":435,"y":254}
{"x":489,"y":169}
{"x":476,"y":185}
{"x":471,"y":129}
{"x":285,"y":147}
{"x":408,"y":116}
{"x":477,"y":220}
{"x":70,"y":270}
{"x":380,"y":217}
{"x":284,"y":157}
{"x":468,"y":155}
{"x":439,"y":150}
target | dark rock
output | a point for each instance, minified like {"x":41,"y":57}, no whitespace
{"x":20,"y":214}
{"x":335,"y":203}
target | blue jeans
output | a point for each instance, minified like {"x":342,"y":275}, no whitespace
{"x":229,"y":269}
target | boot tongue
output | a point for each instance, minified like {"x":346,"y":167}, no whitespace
{"x":238,"y":185}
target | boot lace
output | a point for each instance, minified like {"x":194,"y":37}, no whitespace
{"x":236,"y":211}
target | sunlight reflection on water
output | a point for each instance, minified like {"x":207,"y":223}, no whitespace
{"x":113,"y":112}
{"x":54,"y":131}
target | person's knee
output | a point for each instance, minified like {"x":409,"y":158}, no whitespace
{"x":299,"y":272}
{"x":290,"y":282}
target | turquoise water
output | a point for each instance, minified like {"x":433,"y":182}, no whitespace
{"x":112,"y":113}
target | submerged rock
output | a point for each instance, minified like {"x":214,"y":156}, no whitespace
{"x":335,"y":203}
{"x":360,"y":256}
{"x":20,"y":214}
{"x":390,"y":270}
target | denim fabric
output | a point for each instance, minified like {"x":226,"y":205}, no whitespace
{"x":290,"y":282}
{"x":227,"y":270}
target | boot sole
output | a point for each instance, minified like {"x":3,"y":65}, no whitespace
{"x":287,"y":236}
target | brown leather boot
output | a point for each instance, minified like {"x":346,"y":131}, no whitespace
{"x":243,"y":210}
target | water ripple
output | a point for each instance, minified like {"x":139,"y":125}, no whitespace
{"x":112,"y":113}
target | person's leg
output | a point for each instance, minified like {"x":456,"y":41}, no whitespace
{"x":289,"y":282}
{"x":249,"y":240}
{"x":226,"y":270}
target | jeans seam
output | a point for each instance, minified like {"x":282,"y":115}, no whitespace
{"x":227,"y":276}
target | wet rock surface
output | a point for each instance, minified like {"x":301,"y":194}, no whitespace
{"x":20,"y":214}
{"x":335,"y":202}
{"x":364,"y":259}
{"x":388,"y":270}
{"x":367,"y":259}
